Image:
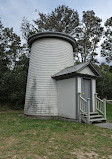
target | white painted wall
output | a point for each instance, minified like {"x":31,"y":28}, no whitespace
{"x":66,"y":90}
{"x":48,"y":56}
{"x":87,"y":71}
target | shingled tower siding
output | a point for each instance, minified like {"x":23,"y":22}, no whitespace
{"x":48,"y":56}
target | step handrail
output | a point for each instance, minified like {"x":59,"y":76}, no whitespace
{"x":84,"y":108}
{"x":100,"y":105}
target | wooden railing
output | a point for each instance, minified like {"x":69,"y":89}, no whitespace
{"x":84,"y":109}
{"x":109,"y":102}
{"x":100,"y":105}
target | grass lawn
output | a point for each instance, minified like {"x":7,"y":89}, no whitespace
{"x":27,"y":138}
{"x":109,"y":112}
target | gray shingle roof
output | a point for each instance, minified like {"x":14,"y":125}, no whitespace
{"x":76,"y":69}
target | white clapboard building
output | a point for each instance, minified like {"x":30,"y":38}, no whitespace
{"x":58,"y":88}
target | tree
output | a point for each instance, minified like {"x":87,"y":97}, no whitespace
{"x":104,"y":84}
{"x":87,"y":32}
{"x":88,"y":35}
{"x":61,"y":19}
{"x":17,"y":79}
{"x":4,"y":61}
{"x":106,"y":47}
{"x":10,"y":46}
{"x":27,"y":29}
{"x":14,"y":60}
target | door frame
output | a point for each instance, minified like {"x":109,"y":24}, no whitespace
{"x":78,"y":86}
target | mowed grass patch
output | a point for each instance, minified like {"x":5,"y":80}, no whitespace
{"x":27,"y":138}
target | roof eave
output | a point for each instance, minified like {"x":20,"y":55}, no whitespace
{"x":99,"y":74}
{"x":73,"y":74}
{"x":89,"y":63}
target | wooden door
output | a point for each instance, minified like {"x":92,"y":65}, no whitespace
{"x":86,"y":90}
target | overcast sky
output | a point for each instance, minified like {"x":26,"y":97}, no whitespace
{"x":12,"y":11}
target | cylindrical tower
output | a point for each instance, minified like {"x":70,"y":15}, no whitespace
{"x":50,"y":53}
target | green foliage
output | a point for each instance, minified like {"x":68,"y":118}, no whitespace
{"x":61,"y":19}
{"x":13,"y":69}
{"x":88,"y":34}
{"x":87,"y":31}
{"x":14,"y":84}
{"x":4,"y":60}
{"x":106,"y":50}
{"x":109,"y":112}
{"x":27,"y":29}
{"x":104,"y":84}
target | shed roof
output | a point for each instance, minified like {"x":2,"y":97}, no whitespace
{"x":75,"y":70}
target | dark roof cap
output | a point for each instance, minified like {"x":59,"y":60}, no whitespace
{"x":60,"y":35}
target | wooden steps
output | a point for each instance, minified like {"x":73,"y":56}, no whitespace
{"x":93,"y":113}
{"x":92,"y":117}
{"x":95,"y":117}
{"x":97,"y":120}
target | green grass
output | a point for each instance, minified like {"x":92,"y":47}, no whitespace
{"x":109,"y":112}
{"x":27,"y":138}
